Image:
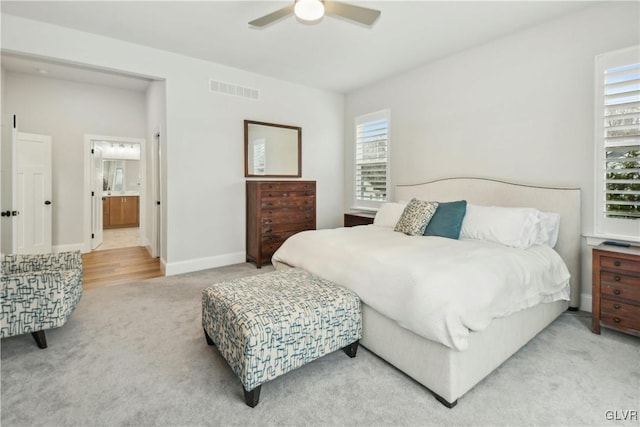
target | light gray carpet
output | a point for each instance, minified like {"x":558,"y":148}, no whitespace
{"x":135,"y":354}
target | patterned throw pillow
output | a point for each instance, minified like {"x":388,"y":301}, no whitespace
{"x":415,"y":217}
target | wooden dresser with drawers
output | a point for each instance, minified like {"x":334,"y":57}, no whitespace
{"x":275,"y":211}
{"x":616,"y":289}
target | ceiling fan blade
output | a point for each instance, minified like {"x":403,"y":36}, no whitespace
{"x":363,"y":15}
{"x":272,"y":17}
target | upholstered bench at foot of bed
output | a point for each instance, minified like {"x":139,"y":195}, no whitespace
{"x":269,"y":324}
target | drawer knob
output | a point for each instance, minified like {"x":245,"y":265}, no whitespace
{"x":616,"y":291}
{"x":268,"y":230}
{"x":616,"y":306}
{"x":616,"y":278}
{"x":617,"y":263}
{"x":616,"y":319}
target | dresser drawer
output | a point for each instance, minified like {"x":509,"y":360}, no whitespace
{"x":620,"y":286}
{"x":620,"y":309}
{"x":284,"y":235}
{"x":287,"y":202}
{"x":612,"y":263}
{"x":288,"y":215}
{"x":274,"y":229}
{"x":288,"y":186}
{"x":269,"y":247}
{"x":621,"y":316}
{"x":270,"y":194}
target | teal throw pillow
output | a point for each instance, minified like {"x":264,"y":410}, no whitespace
{"x":447,"y":221}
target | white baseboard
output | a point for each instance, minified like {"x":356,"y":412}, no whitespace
{"x":66,"y":248}
{"x":173,"y":268}
{"x":191,"y":265}
{"x":585,"y":303}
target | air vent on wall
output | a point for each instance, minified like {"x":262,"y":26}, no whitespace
{"x":233,"y":89}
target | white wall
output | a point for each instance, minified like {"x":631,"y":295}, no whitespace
{"x":67,"y":111}
{"x":205,"y":200}
{"x":520,"y":108}
{"x":132,"y":181}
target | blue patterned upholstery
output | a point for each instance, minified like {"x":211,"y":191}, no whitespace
{"x":272,"y":323}
{"x":38,"y":292}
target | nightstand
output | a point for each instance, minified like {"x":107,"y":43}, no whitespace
{"x":358,"y":218}
{"x":616,"y":289}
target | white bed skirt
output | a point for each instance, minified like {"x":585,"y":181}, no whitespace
{"x":450,"y":373}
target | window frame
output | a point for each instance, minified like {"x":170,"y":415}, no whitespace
{"x":609,"y":227}
{"x":362,"y":204}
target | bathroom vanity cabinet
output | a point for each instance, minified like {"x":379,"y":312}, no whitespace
{"x":120,"y":211}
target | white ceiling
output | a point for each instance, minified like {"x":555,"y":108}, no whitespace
{"x":332,"y":54}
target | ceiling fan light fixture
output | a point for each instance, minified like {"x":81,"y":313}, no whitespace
{"x":309,"y":10}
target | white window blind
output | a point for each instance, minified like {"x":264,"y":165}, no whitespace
{"x":372,"y":159}
{"x":618,"y":144}
{"x":259,"y":157}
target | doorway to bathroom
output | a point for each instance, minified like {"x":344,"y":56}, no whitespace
{"x":118,"y":185}
{"x":117,"y":192}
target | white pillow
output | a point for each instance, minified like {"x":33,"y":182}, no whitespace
{"x":515,"y":227}
{"x":548,"y":229}
{"x":389,"y":214}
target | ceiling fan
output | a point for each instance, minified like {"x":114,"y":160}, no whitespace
{"x":313,"y":10}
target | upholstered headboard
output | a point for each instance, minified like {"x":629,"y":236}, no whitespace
{"x":490,"y":192}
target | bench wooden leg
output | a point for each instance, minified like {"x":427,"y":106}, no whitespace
{"x":40,"y":339}
{"x":208,"y":338}
{"x":351,"y":349}
{"x":445,"y":402}
{"x":251,"y":397}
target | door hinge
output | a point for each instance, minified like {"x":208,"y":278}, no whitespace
{"x":93,"y":193}
{"x":93,"y":236}
{"x":92,"y":152}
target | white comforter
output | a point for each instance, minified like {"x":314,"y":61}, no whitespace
{"x":438,"y":288}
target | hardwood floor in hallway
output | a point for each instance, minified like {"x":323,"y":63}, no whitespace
{"x":114,"y":266}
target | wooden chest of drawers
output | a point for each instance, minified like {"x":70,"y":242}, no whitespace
{"x":275,"y":211}
{"x":351,"y":219}
{"x":616,"y":289}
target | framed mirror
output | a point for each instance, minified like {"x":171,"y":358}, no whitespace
{"x":272,"y":150}
{"x":120,"y":176}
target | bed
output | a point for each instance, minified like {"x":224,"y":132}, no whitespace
{"x":446,"y":360}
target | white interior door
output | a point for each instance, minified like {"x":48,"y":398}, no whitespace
{"x":97,"y":178}
{"x":34,"y":193}
{"x":157,"y":191}
{"x":8,"y":195}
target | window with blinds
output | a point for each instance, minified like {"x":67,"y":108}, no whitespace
{"x":622,"y":141}
{"x":618,"y":144}
{"x":372,"y":159}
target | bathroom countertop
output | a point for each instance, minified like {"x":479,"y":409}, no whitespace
{"x":126,"y":193}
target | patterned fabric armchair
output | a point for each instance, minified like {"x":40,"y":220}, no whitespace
{"x":38,"y":292}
